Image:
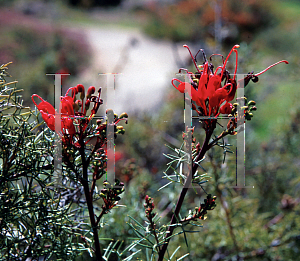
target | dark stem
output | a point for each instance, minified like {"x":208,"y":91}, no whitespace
{"x":154,"y":232}
{"x":100,"y":216}
{"x":184,"y":190}
{"x":89,"y":201}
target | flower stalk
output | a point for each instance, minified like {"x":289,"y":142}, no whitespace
{"x":182,"y":195}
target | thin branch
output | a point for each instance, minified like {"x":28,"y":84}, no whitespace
{"x":89,"y":200}
{"x":174,"y":219}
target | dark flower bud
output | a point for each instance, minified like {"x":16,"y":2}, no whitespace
{"x":91,"y":90}
{"x":251,"y":103}
{"x":87,"y":104}
{"x":80,"y":88}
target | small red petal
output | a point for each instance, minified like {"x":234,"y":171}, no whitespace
{"x":67,"y":105}
{"x":49,"y":119}
{"x":226,"y":108}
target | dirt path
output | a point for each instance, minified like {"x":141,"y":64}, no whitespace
{"x":145,"y":66}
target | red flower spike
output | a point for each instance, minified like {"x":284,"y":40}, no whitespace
{"x":206,"y":85}
{"x":70,"y":114}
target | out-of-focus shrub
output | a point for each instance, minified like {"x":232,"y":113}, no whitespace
{"x":38,"y":48}
{"x":93,"y":3}
{"x":193,"y":20}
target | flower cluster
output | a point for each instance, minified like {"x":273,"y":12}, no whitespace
{"x":72,"y":111}
{"x":200,"y":212}
{"x":74,"y":120}
{"x":149,"y":207}
{"x":213,"y":90}
{"x":209,"y":204}
{"x":110,"y":194}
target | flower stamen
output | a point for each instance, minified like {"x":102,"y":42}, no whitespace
{"x":192,"y":58}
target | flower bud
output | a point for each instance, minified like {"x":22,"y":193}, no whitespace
{"x":120,"y":129}
{"x":196,"y":81}
{"x":91,"y":90}
{"x":123,"y":115}
{"x":80,"y":88}
{"x":251,"y":103}
{"x":87,"y":104}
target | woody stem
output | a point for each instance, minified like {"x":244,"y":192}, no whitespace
{"x":184,"y":190}
{"x":89,"y":200}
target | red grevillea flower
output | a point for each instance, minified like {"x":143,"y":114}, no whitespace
{"x":48,"y":114}
{"x":213,"y":90}
{"x":69,"y":109}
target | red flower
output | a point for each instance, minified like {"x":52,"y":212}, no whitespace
{"x":206,"y":88}
{"x":48,"y":114}
{"x":67,"y":105}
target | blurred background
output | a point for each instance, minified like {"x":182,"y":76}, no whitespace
{"x":140,"y":42}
